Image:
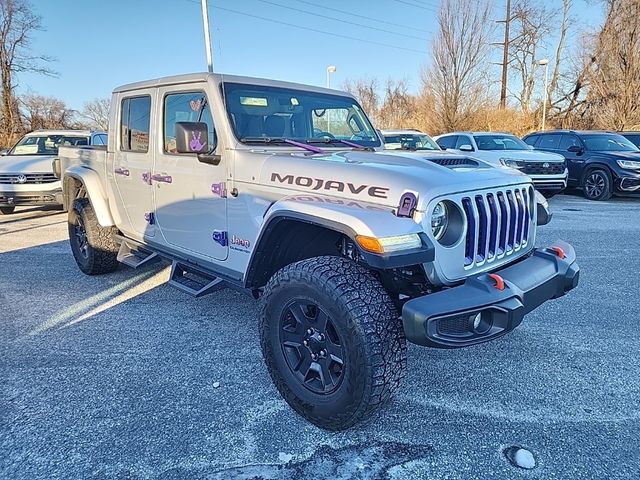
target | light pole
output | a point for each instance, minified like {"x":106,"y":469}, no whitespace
{"x":545,"y":62}
{"x":207,"y":38}
{"x":330,"y":69}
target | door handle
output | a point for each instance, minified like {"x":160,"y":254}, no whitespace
{"x":122,"y":171}
{"x":161,"y":178}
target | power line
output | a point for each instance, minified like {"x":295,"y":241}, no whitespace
{"x":311,"y":29}
{"x":422,"y":7}
{"x":315,"y":14}
{"x":345,"y":12}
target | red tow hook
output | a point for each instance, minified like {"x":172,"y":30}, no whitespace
{"x":498,"y":279}
{"x":559,"y":252}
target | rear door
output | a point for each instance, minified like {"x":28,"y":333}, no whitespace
{"x":133,"y":160}
{"x":190,"y":196}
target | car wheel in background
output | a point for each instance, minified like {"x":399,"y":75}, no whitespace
{"x":597,"y":185}
{"x":7,"y":210}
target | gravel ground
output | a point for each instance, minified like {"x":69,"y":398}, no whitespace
{"x":120,"y":376}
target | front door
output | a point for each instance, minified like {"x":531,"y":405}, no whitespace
{"x":190,"y":198}
{"x":132,"y":164}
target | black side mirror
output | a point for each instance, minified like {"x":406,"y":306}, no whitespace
{"x":575,"y":149}
{"x":193,"y":137}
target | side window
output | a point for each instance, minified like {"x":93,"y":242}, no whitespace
{"x":447,"y":142}
{"x":531,"y":140}
{"x":463,"y":140}
{"x":100,"y":139}
{"x":185,"y":107}
{"x":568,"y":141}
{"x":549,"y":142}
{"x":134,"y":124}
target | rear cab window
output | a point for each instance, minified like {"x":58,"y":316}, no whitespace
{"x":135,"y":119}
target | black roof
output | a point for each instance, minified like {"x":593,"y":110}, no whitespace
{"x":577,"y":132}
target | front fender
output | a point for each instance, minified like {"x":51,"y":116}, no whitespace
{"x":94,"y":189}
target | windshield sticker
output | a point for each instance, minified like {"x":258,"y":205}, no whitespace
{"x":253,"y":101}
{"x":320,"y":183}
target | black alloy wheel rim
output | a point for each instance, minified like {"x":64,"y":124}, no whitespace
{"x":81,"y":238}
{"x":595,"y":185}
{"x":311,"y":346}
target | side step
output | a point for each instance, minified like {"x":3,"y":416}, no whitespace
{"x":193,"y":281}
{"x":134,"y":255}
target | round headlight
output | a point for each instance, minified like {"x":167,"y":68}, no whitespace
{"x":439,"y":220}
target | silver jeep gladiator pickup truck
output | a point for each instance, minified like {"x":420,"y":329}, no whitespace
{"x":282,"y":190}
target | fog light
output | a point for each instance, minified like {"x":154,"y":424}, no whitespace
{"x":477,"y":320}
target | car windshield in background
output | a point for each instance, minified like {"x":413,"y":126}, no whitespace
{"x":409,"y":142}
{"x":499,"y":142}
{"x":46,"y":144}
{"x":608,"y":143}
{"x":261,"y":113}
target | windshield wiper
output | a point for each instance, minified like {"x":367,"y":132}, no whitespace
{"x":281,"y":140}
{"x":330,"y":141}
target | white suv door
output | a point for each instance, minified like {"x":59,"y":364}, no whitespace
{"x":190,"y":200}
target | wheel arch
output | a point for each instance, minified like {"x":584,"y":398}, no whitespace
{"x":596,"y":165}
{"x":81,"y":182}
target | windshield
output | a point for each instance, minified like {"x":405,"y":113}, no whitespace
{"x":608,"y":142}
{"x":499,"y":142}
{"x":260,"y":113}
{"x":45,"y":144}
{"x":409,"y":141}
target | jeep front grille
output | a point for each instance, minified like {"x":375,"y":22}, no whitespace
{"x":498,"y":224}
{"x":27,"y":178}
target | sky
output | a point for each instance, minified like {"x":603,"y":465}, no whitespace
{"x":99,"y":45}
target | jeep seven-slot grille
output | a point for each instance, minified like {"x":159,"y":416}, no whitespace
{"x":498,"y":224}
{"x":27,"y":178}
{"x":539,"y":168}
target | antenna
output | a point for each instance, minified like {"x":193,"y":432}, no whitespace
{"x":207,"y":37}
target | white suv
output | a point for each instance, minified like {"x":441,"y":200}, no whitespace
{"x":26,"y":173}
{"x":547,"y":170}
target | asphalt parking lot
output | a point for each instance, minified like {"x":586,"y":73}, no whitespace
{"x":121,"y":376}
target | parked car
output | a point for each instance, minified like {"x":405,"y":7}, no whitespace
{"x":633,"y":137}
{"x":26,"y":175}
{"x":245,"y":182}
{"x":600,"y":163}
{"x":547,"y":170}
{"x":407,"y":140}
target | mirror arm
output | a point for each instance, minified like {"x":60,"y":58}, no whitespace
{"x":209,"y":158}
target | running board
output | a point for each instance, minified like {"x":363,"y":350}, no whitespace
{"x":134,"y":255}
{"x":193,"y":281}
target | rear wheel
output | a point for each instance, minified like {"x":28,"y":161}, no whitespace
{"x":93,"y":245}
{"x":7,"y":210}
{"x":332,"y":340}
{"x":598,"y":185}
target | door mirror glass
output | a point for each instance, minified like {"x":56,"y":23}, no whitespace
{"x":466,"y":148}
{"x":4,"y":152}
{"x":575,"y":149}
{"x":193,"y":137}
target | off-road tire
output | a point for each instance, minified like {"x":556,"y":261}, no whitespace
{"x":598,"y":176}
{"x":7,"y":210}
{"x":99,"y":253}
{"x":370,"y":330}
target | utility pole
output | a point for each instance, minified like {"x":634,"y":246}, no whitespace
{"x":207,"y":37}
{"x":505,"y":58}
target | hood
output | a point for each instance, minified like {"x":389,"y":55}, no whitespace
{"x":382,"y":177}
{"x":26,"y":164}
{"x":527,"y":155}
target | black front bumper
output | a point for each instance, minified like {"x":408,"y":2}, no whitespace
{"x":477,"y":311}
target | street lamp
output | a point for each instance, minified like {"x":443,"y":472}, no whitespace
{"x":545,"y":62}
{"x":330,"y":69}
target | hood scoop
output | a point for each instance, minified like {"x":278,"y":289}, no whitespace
{"x":453,"y":161}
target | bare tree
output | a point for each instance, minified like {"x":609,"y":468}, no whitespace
{"x":46,"y":112}
{"x":97,"y":113}
{"x":17,"y":23}
{"x":564,"y":28}
{"x":366,"y":91}
{"x":398,"y":105}
{"x":457,"y":74}
{"x":532,"y":24}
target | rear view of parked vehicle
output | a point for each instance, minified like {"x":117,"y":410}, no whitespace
{"x":26,"y":172}
{"x":548,"y":171}
{"x":600,"y":163}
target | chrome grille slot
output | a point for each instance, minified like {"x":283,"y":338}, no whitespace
{"x":498,"y":224}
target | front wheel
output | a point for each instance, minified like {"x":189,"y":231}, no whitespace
{"x":93,"y":245}
{"x":332,"y":340}
{"x":598,"y":185}
{"x":7,"y":210}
